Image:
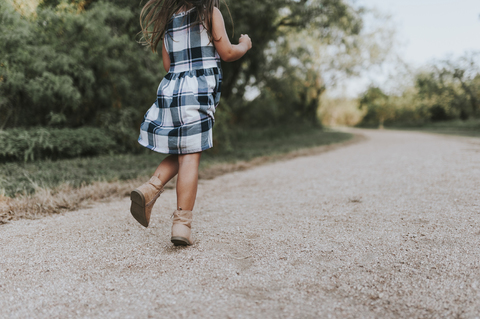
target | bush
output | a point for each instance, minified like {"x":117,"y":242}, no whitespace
{"x":65,"y":66}
{"x":52,"y":143}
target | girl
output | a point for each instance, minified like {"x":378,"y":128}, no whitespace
{"x":181,"y":119}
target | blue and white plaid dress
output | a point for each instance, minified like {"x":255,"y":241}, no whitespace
{"x":181,"y":119}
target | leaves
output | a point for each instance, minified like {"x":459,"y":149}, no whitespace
{"x":42,"y":143}
{"x":73,"y":64}
{"x":446,"y":90}
{"x":77,"y":63}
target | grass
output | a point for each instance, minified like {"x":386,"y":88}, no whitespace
{"x":456,"y":127}
{"x":32,"y":190}
{"x":25,"y":179}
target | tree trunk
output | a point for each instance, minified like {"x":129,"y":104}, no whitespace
{"x":381,"y":121}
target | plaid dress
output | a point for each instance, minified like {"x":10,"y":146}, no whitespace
{"x":181,"y":119}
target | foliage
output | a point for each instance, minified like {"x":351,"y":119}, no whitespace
{"x":290,"y":90}
{"x":451,"y":89}
{"x":340,"y":111}
{"x":41,"y":143}
{"x":25,"y":7}
{"x":75,"y":63}
{"x":445,"y":91}
{"x":296,"y":43}
{"x":66,"y":67}
{"x":223,"y":133}
{"x":377,"y":105}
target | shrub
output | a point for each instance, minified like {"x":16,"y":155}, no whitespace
{"x":52,"y":143}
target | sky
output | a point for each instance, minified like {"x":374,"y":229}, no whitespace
{"x":427,"y":30}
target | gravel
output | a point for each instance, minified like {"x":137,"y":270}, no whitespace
{"x":386,"y":228}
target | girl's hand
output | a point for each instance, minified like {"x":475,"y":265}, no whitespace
{"x":244,"y":38}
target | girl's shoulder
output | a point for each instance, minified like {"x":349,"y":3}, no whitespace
{"x":217,"y":17}
{"x":217,"y":12}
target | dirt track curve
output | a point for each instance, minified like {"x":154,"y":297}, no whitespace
{"x":386,"y":228}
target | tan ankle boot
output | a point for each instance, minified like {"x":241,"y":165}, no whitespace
{"x":143,"y":199}
{"x":181,"y":228}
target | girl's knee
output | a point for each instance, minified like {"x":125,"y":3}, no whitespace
{"x":193,"y":158}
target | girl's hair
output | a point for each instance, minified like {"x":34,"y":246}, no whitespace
{"x":156,"y":14}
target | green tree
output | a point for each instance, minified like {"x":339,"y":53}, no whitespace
{"x":378,"y":106}
{"x":450,"y":88}
{"x":299,"y":50}
{"x":289,"y":89}
{"x":443,"y":91}
{"x":68,"y":67}
{"x":77,"y":62}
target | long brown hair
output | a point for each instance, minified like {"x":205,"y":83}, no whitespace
{"x":156,"y":14}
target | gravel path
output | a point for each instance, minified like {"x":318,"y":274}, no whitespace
{"x":387,"y":228}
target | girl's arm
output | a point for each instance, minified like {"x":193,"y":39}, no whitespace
{"x":225,"y":49}
{"x":165,"y":58}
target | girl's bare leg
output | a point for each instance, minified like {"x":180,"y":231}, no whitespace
{"x":187,"y":180}
{"x":144,"y":197}
{"x":167,"y":169}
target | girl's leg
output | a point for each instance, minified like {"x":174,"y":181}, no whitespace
{"x":144,"y":197}
{"x":167,"y":169}
{"x":186,"y":193}
{"x":187,"y":180}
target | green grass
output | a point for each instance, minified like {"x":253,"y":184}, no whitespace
{"x":456,"y":127}
{"x":23,"y":178}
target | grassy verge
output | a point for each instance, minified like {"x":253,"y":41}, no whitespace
{"x":45,"y":187}
{"x":456,"y":127}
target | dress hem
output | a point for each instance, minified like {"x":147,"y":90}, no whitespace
{"x":173,"y":152}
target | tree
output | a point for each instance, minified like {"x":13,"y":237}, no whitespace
{"x":271,"y":24}
{"x":77,"y":62}
{"x":467,"y":71}
{"x":378,"y":107}
{"x":298,"y":50}
{"x":65,"y":67}
{"x":450,"y":88}
{"x":443,"y":91}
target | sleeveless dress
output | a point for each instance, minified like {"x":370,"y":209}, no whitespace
{"x":181,"y":119}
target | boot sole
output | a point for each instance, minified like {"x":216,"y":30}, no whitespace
{"x":180,"y":241}
{"x":138,"y":207}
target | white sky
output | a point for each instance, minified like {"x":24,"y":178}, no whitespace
{"x":427,"y":30}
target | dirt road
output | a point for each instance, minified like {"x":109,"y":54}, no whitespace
{"x":387,"y":228}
